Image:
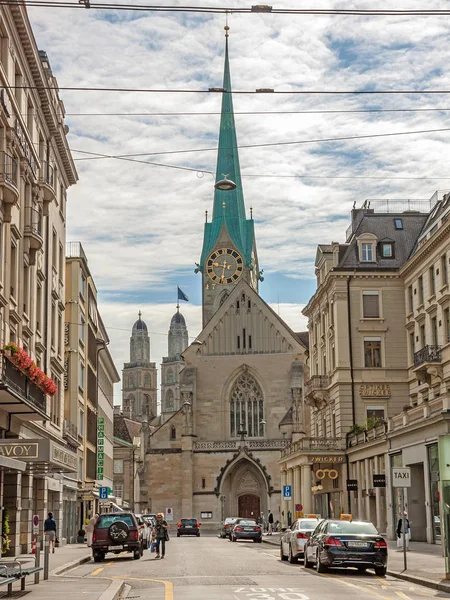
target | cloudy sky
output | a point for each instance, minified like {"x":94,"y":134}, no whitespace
{"x":141,"y":225}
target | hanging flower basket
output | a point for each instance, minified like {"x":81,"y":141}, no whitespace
{"x":24,"y":363}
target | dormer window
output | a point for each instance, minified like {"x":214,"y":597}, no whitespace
{"x":387,"y":250}
{"x":366,"y":252}
{"x":398,"y":223}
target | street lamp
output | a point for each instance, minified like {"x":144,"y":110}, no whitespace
{"x":225,"y":184}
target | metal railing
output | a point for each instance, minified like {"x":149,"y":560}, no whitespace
{"x":47,"y":174}
{"x":75,"y":250}
{"x":19,"y":383}
{"x":317,"y":382}
{"x":9,"y":168}
{"x":313,"y":444}
{"x":70,"y":429}
{"x":276,"y":444}
{"x":33,"y":222}
{"x":427,"y":354}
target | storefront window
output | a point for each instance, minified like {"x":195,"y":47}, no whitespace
{"x":433,"y":463}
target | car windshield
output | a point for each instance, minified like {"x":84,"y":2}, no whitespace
{"x":188,"y":521}
{"x":105,"y":521}
{"x":247,"y":522}
{"x":351,"y":527}
{"x":230,"y":520}
{"x":308,"y":524}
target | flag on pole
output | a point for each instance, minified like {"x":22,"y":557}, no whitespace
{"x":182,"y":295}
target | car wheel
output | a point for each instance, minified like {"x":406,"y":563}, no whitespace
{"x":178,"y":534}
{"x":380,"y":571}
{"x":320,"y":568}
{"x":282,"y":556}
{"x":98,"y":556}
{"x":307,"y":563}
{"x":198,"y":534}
{"x":137,"y":554}
{"x":292,"y":559}
{"x":259,"y":541}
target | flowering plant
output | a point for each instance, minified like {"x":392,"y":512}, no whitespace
{"x":5,"y":541}
{"x":24,"y":363}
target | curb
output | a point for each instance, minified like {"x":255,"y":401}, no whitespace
{"x":114,"y":590}
{"x":71,"y":565}
{"x":429,"y":583}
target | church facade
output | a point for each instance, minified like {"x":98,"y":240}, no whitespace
{"x":237,"y":399}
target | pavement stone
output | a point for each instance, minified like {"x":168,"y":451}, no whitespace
{"x":425,"y":563}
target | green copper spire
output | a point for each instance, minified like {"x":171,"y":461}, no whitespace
{"x":229,"y":207}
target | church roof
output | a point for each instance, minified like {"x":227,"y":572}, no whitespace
{"x":177,"y":320}
{"x":229,"y":207}
{"x":126,"y":429}
{"x":139,"y":325}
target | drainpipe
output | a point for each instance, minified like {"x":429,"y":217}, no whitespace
{"x":352,"y":377}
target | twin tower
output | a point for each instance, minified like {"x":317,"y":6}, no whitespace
{"x":139,"y":378}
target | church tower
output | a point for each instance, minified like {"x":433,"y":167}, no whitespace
{"x":178,"y":341}
{"x":229,"y":247}
{"x":139,"y":377}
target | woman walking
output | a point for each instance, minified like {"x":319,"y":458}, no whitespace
{"x":50,"y":531}
{"x":162,"y":535}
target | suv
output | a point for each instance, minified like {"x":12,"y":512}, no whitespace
{"x":117,"y":532}
{"x":188,"y":527}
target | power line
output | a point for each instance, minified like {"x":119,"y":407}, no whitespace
{"x":98,"y":156}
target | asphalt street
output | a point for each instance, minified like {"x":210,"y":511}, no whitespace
{"x":209,"y":568}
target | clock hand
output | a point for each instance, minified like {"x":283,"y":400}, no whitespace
{"x":224,"y":266}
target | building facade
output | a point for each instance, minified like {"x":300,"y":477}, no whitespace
{"x":128,"y":463}
{"x":36,"y":171}
{"x":242,"y":377}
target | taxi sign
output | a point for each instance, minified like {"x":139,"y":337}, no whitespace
{"x":346,"y":517}
{"x":312,"y":516}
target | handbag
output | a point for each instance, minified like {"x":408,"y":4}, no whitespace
{"x":152,"y":546}
{"x":166,"y":535}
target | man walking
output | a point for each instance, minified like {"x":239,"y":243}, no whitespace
{"x":50,"y":531}
{"x":270,"y":519}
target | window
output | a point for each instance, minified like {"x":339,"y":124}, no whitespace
{"x":420,"y":287}
{"x":59,"y":334}
{"x":387,"y":250}
{"x":411,"y":345}
{"x":170,"y":378}
{"x":82,"y":329}
{"x":118,"y":490}
{"x":371,"y":308}
{"x":26,"y":289}
{"x":444,"y":270}
{"x":410,"y":299}
{"x":173,"y":433}
{"x":434,"y":331}
{"x":432,"y":281}
{"x":118,"y":466}
{"x":375,"y":412}
{"x":81,"y":424}
{"x":55,"y":250}
{"x":333,"y":358}
{"x":398,"y":223}
{"x":38,"y":307}
{"x":447,"y":325}
{"x":366,"y":252}
{"x":333,"y":424}
{"x":246,"y":407}
{"x":81,"y":375}
{"x":13,"y":277}
{"x":372,"y":352}
{"x":169,"y":401}
{"x":422,"y":336}
{"x":203,"y":483}
{"x":82,"y":285}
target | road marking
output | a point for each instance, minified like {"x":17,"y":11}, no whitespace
{"x":402,"y":595}
{"x":168,"y":585}
{"x":353,"y":585}
{"x":100,"y":569}
{"x":271,"y":555}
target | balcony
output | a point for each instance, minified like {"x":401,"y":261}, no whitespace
{"x":32,"y":232}
{"x":427,"y":364}
{"x":316,"y":391}
{"x":70,"y":433}
{"x":47,"y":181}
{"x":9,"y":180}
{"x":310,"y":445}
{"x":19,"y":395}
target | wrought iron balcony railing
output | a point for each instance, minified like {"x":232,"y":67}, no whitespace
{"x":428,"y":354}
{"x":9,"y":168}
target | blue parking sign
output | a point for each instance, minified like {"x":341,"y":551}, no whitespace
{"x":103,"y":493}
{"x":287,"y":492}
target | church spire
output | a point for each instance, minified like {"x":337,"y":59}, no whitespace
{"x":233,"y":214}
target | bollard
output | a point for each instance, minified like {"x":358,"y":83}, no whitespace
{"x":38,"y":559}
{"x":46,"y":556}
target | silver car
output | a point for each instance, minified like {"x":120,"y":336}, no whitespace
{"x":293,"y":539}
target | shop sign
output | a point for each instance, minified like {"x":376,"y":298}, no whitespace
{"x":375,"y":390}
{"x":327,"y":459}
{"x":40,"y":451}
{"x":401,"y":477}
{"x":100,"y":447}
{"x":352,"y":485}
{"x":65,"y":458}
{"x":379,"y":480}
{"x":25,"y":451}
{"x":322,"y":473}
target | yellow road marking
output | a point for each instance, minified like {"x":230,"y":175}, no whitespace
{"x":100,"y":569}
{"x":353,"y":585}
{"x":168,"y":585}
{"x":402,"y":595}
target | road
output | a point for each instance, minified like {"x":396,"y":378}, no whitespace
{"x":209,"y":568}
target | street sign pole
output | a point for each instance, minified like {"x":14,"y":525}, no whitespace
{"x":401,"y":478}
{"x":405,"y":566}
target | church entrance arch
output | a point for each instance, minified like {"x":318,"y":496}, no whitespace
{"x":249,"y":506}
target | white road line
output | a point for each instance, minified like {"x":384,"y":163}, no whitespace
{"x":271,"y":555}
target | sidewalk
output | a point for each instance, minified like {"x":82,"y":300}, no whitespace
{"x":424,"y":561}
{"x":65,"y":585}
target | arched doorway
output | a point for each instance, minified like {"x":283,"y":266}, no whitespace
{"x":249,"y":506}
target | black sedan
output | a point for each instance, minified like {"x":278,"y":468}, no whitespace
{"x":246,"y":529}
{"x":336,"y":543}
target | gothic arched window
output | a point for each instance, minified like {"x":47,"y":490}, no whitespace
{"x":147,"y":380}
{"x":173,"y":433}
{"x":169,"y":376}
{"x":131,"y":380}
{"x":169,"y":400}
{"x":246,"y":407}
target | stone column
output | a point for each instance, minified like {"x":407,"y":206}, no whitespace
{"x":368,"y":486}
{"x":26,"y":527}
{"x":360,"y":514}
{"x":297,"y":486}
{"x":379,"y":518}
{"x":13,"y":506}
{"x":306,"y":489}
{"x":284,"y":504}
{"x":41,"y":503}
{"x":290,"y":481}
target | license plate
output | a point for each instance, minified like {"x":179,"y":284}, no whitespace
{"x":188,"y":526}
{"x":357,"y":544}
{"x":115,"y":547}
{"x":248,"y":528}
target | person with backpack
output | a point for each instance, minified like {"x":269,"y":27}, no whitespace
{"x":162,"y":535}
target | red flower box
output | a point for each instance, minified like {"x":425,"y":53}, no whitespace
{"x":24,"y":363}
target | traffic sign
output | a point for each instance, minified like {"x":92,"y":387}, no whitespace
{"x":36,"y":524}
{"x":287,"y":492}
{"x":103,"y":493}
{"x":299,"y":507}
{"x":401,"y":477}
{"x":169,"y":514}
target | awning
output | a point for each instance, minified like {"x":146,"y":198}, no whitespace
{"x":12,"y":464}
{"x":41,"y":455}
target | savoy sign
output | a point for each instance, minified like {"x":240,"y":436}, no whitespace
{"x":401,"y":477}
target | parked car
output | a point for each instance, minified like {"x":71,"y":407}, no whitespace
{"x":293,"y":540}
{"x":188,"y":527}
{"x":336,"y":543}
{"x":117,"y":532}
{"x":246,"y":529}
{"x":226,"y":527}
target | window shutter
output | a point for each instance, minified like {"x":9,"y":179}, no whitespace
{"x":370,"y":306}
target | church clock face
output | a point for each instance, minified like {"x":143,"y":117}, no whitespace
{"x":224,"y":266}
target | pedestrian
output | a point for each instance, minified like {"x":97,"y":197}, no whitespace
{"x":50,"y":531}
{"x":400,"y":532}
{"x":270,"y":519}
{"x":162,"y":535}
{"x":90,"y":529}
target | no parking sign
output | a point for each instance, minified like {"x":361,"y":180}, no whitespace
{"x":169,"y":514}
